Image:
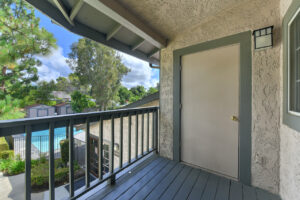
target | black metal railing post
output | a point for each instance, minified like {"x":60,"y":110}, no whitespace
{"x":129,"y":138}
{"x":51,"y":162}
{"x":71,"y":158}
{"x":100,"y":147}
{"x":111,"y":152}
{"x":28,"y":163}
{"x":87,"y":154}
{"x":121,"y":143}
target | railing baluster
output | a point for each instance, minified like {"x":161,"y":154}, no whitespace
{"x":100,"y":147}
{"x":28,"y":163}
{"x":51,"y":161}
{"x":87,"y":154}
{"x":156,"y":130}
{"x":148,"y":130}
{"x":136,"y":135}
{"x":142,"y":147}
{"x":121,"y":143}
{"x":129,"y":138}
{"x":71,"y":158}
{"x":153,"y":130}
{"x":111,"y":151}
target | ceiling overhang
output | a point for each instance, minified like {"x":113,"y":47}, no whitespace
{"x":107,"y":22}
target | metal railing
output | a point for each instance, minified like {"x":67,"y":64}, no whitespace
{"x":27,"y":126}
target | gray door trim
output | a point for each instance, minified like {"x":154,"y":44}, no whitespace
{"x":245,"y":99}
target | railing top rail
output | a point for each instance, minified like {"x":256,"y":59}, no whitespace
{"x":17,"y":126}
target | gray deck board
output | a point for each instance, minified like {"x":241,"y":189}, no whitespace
{"x":199,"y":186}
{"x":211,"y":187}
{"x":143,"y":193}
{"x":163,"y":185}
{"x":187,"y":186}
{"x":223,"y":189}
{"x":236,"y":191}
{"x":176,"y":184}
{"x":249,"y":193}
{"x":161,"y":178}
{"x":132,"y":181}
{"x":146,"y":180}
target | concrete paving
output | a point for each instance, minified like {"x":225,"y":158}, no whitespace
{"x":13,"y":187}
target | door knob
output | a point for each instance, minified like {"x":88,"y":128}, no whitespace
{"x":235,"y":118}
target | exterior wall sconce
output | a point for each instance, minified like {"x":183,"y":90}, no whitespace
{"x":263,"y":38}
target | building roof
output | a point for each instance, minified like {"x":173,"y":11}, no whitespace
{"x":37,"y":105}
{"x":61,"y":104}
{"x":61,"y":95}
{"x":143,"y":101}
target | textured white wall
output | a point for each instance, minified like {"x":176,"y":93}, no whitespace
{"x":265,"y":82}
{"x":289,"y":147}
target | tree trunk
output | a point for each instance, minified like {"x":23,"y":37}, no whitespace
{"x":3,"y":81}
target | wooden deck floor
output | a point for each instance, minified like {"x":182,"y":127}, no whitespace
{"x":160,"y":178}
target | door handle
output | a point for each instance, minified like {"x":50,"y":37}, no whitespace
{"x":235,"y":118}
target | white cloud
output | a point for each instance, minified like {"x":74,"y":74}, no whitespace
{"x":140,"y":74}
{"x":53,"y":65}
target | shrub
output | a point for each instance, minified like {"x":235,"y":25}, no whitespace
{"x":40,"y":174}
{"x":64,"y":149}
{"x":6,"y":154}
{"x":12,"y":167}
{"x":3,"y":144}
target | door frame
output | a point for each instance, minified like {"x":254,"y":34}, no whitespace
{"x":245,"y":97}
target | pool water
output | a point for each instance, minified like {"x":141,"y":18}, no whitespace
{"x":40,"y":139}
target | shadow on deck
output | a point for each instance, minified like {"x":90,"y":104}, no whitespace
{"x":160,"y":178}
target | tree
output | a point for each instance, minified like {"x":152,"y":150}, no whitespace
{"x":98,"y":67}
{"x":138,"y":92}
{"x":124,"y":95}
{"x":42,"y":94}
{"x":9,"y":109}
{"x":80,"y":101}
{"x":70,"y":84}
{"x":21,"y":39}
{"x":152,"y":90}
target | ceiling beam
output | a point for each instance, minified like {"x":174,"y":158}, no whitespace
{"x":76,"y":9}
{"x":63,"y":11}
{"x":86,"y":31}
{"x":153,"y":52}
{"x":113,"y":32}
{"x":137,"y":44}
{"x":118,"y":13}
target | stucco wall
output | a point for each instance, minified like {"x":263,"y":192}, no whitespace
{"x":265,"y":85}
{"x":289,"y":147}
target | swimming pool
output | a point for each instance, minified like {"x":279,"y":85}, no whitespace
{"x":40,"y":139}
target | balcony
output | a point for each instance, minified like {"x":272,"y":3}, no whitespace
{"x":127,"y":165}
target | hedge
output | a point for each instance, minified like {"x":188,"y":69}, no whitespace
{"x":64,"y":149}
{"x":3,"y":144}
{"x":6,"y":154}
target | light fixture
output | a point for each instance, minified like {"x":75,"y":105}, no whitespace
{"x":263,"y":38}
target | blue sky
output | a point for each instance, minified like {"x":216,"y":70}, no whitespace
{"x":54,"y":65}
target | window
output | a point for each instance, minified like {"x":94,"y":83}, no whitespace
{"x":294,"y":65}
{"x":291,"y":66}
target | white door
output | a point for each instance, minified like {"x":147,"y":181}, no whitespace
{"x":210,"y":107}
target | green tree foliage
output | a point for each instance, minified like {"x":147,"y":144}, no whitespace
{"x":134,"y":94}
{"x":98,"y":67}
{"x":70,"y":84}
{"x":41,"y":93}
{"x":152,"y":90}
{"x":81,"y":101}
{"x":21,"y":39}
{"x":9,"y":109}
{"x":124,"y":95}
{"x":138,"y":92}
